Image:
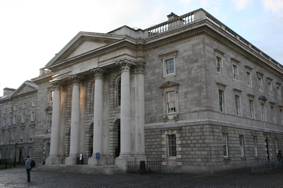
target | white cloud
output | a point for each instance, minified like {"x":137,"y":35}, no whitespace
{"x":242,"y":4}
{"x":185,"y":1}
{"x":275,"y":6}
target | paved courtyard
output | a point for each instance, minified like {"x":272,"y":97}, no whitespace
{"x":16,"y":177}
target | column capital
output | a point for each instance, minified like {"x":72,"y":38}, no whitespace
{"x":76,"y":78}
{"x":56,"y":84}
{"x":98,"y":72}
{"x":139,"y":67}
{"x":125,"y":64}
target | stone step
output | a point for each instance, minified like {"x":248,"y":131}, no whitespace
{"x":83,"y":169}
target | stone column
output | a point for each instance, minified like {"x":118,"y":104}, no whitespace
{"x":97,"y":116}
{"x":139,"y":110}
{"x":53,"y":157}
{"x":125,"y":112}
{"x":75,"y":117}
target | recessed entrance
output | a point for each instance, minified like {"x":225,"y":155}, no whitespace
{"x":118,"y":136}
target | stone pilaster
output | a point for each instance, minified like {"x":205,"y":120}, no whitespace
{"x":97,"y":118}
{"x":53,"y":157}
{"x":75,"y":117}
{"x":139,"y":143}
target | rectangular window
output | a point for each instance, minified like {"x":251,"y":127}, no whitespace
{"x":30,"y":152}
{"x":237,"y":104}
{"x":249,"y":79}
{"x":4,"y":122}
{"x":272,"y":114}
{"x":242,"y":145}
{"x":33,"y":103}
{"x":11,"y":109}
{"x":10,"y":122}
{"x":32,"y":116}
{"x":14,"y":119}
{"x":13,"y":135}
{"x":172,"y":145}
{"x":262,"y":112}
{"x":23,"y":118}
{"x":50,"y":119}
{"x":278,"y":92}
{"x":51,"y":95}
{"x":171,"y":98}
{"x":170,"y":66}
{"x":225,"y":145}
{"x":235,"y":72}
{"x":221,"y":100}
{"x":12,"y":151}
{"x":255,"y":145}
{"x":281,"y":117}
{"x":276,"y":145}
{"x":1,"y":153}
{"x":22,"y":133}
{"x":260,"y":85}
{"x":16,"y":107}
{"x":9,"y":136}
{"x":218,"y":65}
{"x":31,"y":132}
{"x":24,"y":105}
{"x":251,"y":109}
{"x":3,"y":136}
{"x":270,"y":88}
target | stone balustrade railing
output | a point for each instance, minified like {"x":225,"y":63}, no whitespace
{"x":171,"y":24}
{"x":199,"y":15}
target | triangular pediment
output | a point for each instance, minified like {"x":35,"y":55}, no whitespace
{"x":263,"y":98}
{"x":82,"y":43}
{"x":26,"y":87}
{"x":169,"y":84}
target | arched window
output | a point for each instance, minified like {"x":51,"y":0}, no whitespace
{"x":118,"y":92}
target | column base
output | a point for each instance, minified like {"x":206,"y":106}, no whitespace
{"x":71,"y":160}
{"x":53,"y":160}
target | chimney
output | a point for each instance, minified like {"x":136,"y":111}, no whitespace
{"x":8,"y":91}
{"x":172,"y":16}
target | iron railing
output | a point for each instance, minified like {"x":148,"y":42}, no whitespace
{"x":150,"y":166}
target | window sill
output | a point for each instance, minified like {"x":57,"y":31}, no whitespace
{"x":169,"y":75}
{"x":172,"y":158}
{"x":227,"y":159}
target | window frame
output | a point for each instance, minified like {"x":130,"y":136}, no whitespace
{"x":278,"y":90}
{"x":237,"y":105}
{"x":170,"y":87}
{"x":167,"y":56}
{"x":249,"y":78}
{"x":260,"y":81}
{"x":32,"y":116}
{"x":225,"y":145}
{"x":172,"y":147}
{"x":221,"y":88}
{"x":270,"y":86}
{"x":242,"y":145}
{"x":23,"y":118}
{"x":255,"y":146}
{"x":251,"y":108}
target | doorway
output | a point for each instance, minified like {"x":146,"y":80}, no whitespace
{"x":267,"y":148}
{"x":118,"y":134}
{"x":20,"y":155}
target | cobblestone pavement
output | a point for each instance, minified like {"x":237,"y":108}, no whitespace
{"x":16,"y":177}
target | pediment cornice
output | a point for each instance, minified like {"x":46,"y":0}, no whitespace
{"x":77,"y":40}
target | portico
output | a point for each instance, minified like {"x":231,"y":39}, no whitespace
{"x":101,"y":112}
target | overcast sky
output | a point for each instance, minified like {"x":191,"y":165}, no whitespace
{"x":33,"y":31}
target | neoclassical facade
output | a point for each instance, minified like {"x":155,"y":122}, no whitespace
{"x":188,"y":92}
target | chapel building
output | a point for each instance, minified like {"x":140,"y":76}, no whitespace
{"x":188,"y":92}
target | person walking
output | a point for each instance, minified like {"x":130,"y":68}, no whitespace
{"x":28,"y":167}
{"x":279,"y":158}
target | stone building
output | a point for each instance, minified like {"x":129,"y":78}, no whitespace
{"x":17,"y":121}
{"x":189,"y":92}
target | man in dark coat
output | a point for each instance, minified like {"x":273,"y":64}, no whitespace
{"x":28,"y":167}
